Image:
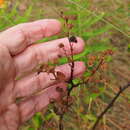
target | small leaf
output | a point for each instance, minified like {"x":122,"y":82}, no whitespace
{"x":90,"y":117}
{"x":129,"y":48}
{"x":37,"y":120}
{"x":76,"y":81}
{"x":31,"y":128}
{"x":61,"y":45}
{"x":60,"y":76}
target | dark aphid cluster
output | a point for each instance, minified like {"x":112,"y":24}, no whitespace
{"x":73,"y":39}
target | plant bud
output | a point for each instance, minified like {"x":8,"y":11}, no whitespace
{"x":73,"y":17}
{"x":70,"y":26}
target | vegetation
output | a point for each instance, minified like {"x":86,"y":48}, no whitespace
{"x":88,"y":102}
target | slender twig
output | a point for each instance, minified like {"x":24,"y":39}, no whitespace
{"x":92,"y":74}
{"x":95,"y":70}
{"x":121,"y":90}
{"x":60,"y":122}
{"x":72,"y":70}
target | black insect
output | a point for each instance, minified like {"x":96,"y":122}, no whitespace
{"x":73,"y":39}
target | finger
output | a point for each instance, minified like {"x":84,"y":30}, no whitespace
{"x":17,"y":38}
{"x":9,"y":118}
{"x":35,"y":104}
{"x":42,"y":53}
{"x":31,"y":84}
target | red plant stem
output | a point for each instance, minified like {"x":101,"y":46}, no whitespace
{"x":72,"y":70}
{"x":70,"y":82}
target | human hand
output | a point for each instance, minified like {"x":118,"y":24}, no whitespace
{"x":19,"y":55}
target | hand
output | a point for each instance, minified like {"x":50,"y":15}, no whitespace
{"x":19,"y":55}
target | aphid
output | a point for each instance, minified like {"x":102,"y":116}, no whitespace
{"x":73,"y":39}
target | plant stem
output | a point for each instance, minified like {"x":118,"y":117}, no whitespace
{"x":60,"y":123}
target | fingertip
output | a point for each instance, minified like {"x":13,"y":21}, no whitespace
{"x":78,"y":46}
{"x":52,"y":27}
{"x":80,"y":67}
{"x":57,"y":24}
{"x":81,"y":44}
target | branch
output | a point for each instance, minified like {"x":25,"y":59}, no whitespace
{"x":72,"y":40}
{"x":122,"y":89}
{"x":92,"y":74}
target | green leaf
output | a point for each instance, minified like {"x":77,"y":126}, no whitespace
{"x":37,"y":120}
{"x":129,"y":48}
{"x":90,"y":117}
{"x":109,"y":59}
{"x":87,"y":74}
{"x":31,"y":128}
{"x":48,"y":116}
{"x":87,"y":117}
{"x":76,"y":81}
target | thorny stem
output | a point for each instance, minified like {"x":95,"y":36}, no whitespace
{"x":121,"y":90}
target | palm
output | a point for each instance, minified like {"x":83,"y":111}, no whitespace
{"x":9,"y":115}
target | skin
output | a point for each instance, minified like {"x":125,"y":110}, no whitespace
{"x":19,"y":55}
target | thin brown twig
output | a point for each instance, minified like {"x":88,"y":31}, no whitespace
{"x":121,"y":90}
{"x":96,"y":69}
